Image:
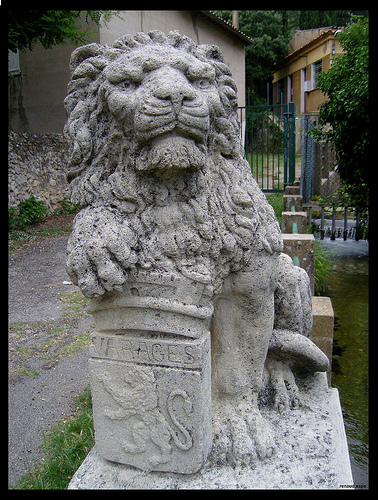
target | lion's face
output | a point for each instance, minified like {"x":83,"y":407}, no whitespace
{"x":167,"y":101}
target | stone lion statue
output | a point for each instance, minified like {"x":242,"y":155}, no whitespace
{"x":158,"y":167}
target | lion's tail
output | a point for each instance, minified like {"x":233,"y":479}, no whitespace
{"x":187,"y":405}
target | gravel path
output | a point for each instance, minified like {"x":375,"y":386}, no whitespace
{"x":48,"y":356}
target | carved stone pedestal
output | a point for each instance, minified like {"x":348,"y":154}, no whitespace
{"x":150,"y":373}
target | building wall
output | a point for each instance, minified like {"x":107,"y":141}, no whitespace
{"x":36,"y":95}
{"x":37,"y":166}
{"x":306,"y":102}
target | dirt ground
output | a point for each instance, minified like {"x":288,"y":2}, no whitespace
{"x":49,"y":335}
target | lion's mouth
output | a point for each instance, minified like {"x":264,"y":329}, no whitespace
{"x":170,"y":152}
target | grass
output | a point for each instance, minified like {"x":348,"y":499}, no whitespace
{"x":65,"y":447}
{"x":268,"y":169}
{"x":52,"y":226}
{"x":31,"y":343}
{"x":323,"y":269}
{"x":276,"y":200}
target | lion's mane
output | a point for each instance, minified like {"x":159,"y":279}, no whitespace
{"x":227,"y":217}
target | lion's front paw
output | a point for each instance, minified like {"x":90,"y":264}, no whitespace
{"x":98,"y":252}
{"x":94,"y":271}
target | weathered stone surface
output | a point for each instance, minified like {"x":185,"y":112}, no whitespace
{"x":290,"y":218}
{"x":176,"y":240}
{"x":322,"y":328}
{"x":37,"y":166}
{"x":312,"y":453}
{"x":301,"y":248}
{"x":293,"y":190}
{"x":154,"y":415}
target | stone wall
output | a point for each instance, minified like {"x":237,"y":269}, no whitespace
{"x":37,"y":166}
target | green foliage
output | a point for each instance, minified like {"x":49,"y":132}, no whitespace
{"x":51,"y":27}
{"x":347,"y":110}
{"x":323,"y":268}
{"x":269,"y":32}
{"x":66,"y":207}
{"x":12,"y":218}
{"x":28,"y":212}
{"x":65,"y":448}
{"x":309,"y":19}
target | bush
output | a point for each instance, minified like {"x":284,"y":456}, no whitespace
{"x":347,"y":110}
{"x":27,"y":213}
{"x":66,"y":207}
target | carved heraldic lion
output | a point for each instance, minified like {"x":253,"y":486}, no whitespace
{"x":158,"y":167}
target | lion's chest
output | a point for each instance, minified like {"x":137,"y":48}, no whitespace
{"x":174,"y":231}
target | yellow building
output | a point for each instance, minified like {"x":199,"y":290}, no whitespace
{"x":295,"y":79}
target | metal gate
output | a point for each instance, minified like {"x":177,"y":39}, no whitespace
{"x":268,"y":136}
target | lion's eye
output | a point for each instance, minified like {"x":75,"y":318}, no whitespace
{"x":202,"y":83}
{"x":126,"y":85}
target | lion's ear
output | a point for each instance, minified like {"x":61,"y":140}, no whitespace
{"x":81,"y":53}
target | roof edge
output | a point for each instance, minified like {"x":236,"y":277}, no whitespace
{"x":299,"y":52}
{"x":227,"y":26}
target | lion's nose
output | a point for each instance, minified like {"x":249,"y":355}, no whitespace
{"x":176,"y":91}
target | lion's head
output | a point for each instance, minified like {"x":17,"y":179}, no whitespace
{"x":152,"y":122}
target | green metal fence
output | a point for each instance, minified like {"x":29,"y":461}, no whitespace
{"x":268,"y":135}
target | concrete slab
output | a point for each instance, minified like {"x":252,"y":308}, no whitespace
{"x":289,"y":218}
{"x":301,"y":246}
{"x":312,"y":453}
{"x":322,"y":328}
{"x":290,"y":200}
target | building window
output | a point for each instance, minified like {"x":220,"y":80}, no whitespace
{"x":316,"y":71}
{"x":13,"y":62}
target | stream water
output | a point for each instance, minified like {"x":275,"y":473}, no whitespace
{"x":349,"y":291}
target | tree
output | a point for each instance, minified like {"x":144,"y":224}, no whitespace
{"x":269,"y":31}
{"x":347,"y":110}
{"x":320,"y":18}
{"x":51,"y":27}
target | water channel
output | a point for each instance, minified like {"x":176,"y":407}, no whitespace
{"x":349,"y":291}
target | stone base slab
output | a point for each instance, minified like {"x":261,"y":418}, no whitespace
{"x":312,"y":453}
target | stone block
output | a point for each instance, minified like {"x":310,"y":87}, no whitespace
{"x":292,"y":190}
{"x":289,"y":218}
{"x":152,"y":411}
{"x":150,"y":374}
{"x":322,"y":329}
{"x":292,"y":200}
{"x":301,"y":247}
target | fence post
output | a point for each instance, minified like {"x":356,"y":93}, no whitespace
{"x":286,"y":115}
{"x":345,"y":234}
{"x":291,"y":142}
{"x":357,"y":235}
